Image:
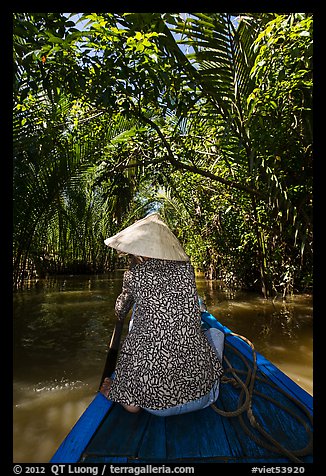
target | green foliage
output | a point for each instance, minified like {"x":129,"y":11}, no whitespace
{"x":114,"y":116}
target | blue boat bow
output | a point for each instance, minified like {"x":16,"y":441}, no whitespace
{"x":276,"y":406}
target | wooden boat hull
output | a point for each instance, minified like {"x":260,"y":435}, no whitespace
{"x":106,"y":433}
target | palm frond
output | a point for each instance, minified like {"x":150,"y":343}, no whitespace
{"x":54,"y":149}
{"x":223,"y":55}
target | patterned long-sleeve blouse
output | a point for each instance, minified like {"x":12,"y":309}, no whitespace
{"x":165,"y":359}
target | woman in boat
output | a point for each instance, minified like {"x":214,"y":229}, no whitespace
{"x":167,"y":364}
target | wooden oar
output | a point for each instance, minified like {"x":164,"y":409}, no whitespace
{"x":112,"y":355}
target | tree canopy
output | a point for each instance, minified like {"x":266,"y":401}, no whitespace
{"x":206,"y":117}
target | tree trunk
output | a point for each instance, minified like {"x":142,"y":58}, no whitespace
{"x":266,"y":285}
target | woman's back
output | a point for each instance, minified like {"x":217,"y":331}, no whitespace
{"x":166,"y":359}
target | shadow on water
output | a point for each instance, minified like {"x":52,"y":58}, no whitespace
{"x":62,"y":328}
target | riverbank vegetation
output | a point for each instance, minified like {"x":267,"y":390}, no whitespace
{"x":205,"y":117}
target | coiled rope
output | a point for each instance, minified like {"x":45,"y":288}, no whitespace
{"x":245,"y":405}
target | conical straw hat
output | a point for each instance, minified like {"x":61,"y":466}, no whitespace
{"x":149,"y":237}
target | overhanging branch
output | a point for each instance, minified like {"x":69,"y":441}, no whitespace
{"x":196,"y":170}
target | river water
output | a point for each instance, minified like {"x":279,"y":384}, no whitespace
{"x":62,"y":328}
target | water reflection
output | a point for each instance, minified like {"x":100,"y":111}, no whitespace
{"x":42,"y":419}
{"x":61,"y":331}
{"x":281,"y":331}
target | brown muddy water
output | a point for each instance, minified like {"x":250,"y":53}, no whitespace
{"x":62,"y":328}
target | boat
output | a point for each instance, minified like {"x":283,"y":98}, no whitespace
{"x":260,"y":416}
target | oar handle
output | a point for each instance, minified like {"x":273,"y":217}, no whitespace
{"x":116,"y":336}
{"x":112,"y":355}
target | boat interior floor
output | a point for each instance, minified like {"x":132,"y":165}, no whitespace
{"x":206,"y":435}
